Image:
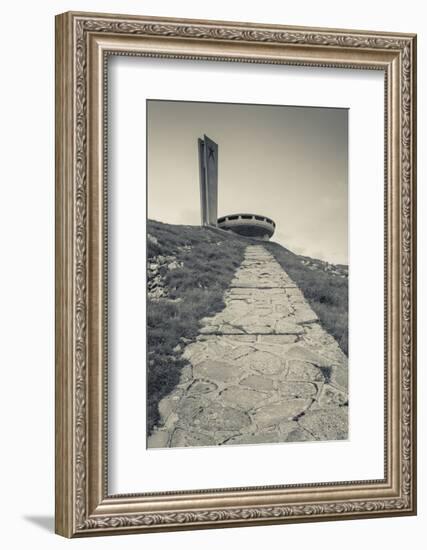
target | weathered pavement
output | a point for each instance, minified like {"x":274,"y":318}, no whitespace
{"x":262,"y":370}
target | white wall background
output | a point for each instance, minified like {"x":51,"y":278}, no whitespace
{"x":27,"y":273}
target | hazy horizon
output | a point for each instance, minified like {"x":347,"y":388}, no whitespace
{"x":288,"y":163}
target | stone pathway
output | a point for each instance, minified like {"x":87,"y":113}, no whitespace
{"x":263,"y":370}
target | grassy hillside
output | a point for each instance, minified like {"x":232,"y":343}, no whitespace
{"x":188,"y":270}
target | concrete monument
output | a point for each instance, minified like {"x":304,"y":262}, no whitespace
{"x":247,"y":225}
{"x":208,"y":166}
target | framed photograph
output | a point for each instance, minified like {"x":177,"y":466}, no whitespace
{"x":235,"y":274}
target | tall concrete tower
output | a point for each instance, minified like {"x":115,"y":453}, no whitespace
{"x":208,"y":167}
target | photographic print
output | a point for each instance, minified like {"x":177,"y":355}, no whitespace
{"x":210,"y":161}
{"x":247,"y":274}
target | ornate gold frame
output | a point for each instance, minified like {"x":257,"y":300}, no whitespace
{"x":83,"y":42}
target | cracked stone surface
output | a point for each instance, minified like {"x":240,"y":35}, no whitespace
{"x":263,"y":370}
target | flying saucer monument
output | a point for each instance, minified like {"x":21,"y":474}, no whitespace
{"x":247,"y":225}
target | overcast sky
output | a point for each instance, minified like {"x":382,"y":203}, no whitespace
{"x":287,"y":163}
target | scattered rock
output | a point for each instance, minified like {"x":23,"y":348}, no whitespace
{"x":152,"y":238}
{"x":156,"y":268}
{"x":338,"y":270}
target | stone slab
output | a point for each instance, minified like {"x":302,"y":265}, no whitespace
{"x":326,"y":424}
{"x":274,"y":414}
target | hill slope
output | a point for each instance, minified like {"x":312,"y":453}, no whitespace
{"x":188,"y":270}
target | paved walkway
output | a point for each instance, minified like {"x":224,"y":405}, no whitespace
{"x":262,"y":370}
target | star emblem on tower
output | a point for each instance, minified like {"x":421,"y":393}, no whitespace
{"x":211,"y":153}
